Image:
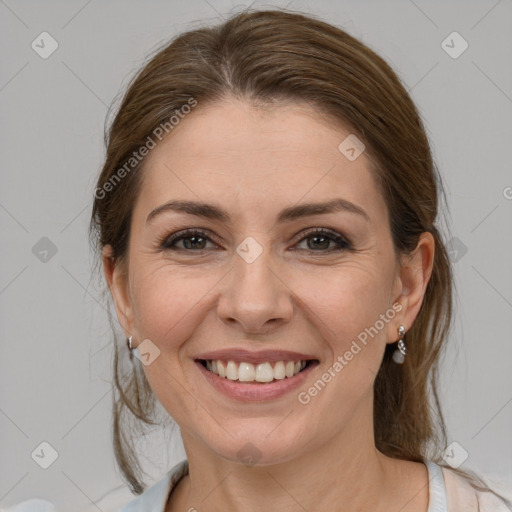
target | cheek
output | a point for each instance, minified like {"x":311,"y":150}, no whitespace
{"x":166,"y":299}
{"x":336,"y":307}
{"x":169,"y":311}
{"x":338,"y":304}
{"x":345,"y":302}
{"x":352,"y":313}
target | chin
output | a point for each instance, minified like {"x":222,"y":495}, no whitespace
{"x":261,"y":443}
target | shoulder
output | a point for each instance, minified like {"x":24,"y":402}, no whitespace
{"x":155,"y":497}
{"x":461,"y":496}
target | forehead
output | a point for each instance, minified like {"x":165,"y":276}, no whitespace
{"x":256,"y":161}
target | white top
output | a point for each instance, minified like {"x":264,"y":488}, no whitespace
{"x":448,"y":492}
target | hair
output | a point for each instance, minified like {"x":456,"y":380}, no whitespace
{"x":269,"y":57}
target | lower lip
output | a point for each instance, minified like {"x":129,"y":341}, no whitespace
{"x":256,"y":391}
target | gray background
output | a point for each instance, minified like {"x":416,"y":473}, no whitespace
{"x":55,"y":359}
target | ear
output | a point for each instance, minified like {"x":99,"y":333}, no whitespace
{"x":411,"y":281}
{"x":117,"y":279}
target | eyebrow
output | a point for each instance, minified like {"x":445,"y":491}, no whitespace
{"x":213,"y":212}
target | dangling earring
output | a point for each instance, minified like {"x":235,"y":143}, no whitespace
{"x":130,"y":347}
{"x":400,"y":352}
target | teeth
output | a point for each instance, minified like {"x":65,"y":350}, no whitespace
{"x":279,"y":371}
{"x":264,"y":373}
{"x":232,"y":371}
{"x":248,"y":372}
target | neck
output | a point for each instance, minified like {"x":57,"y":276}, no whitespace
{"x":345,"y":473}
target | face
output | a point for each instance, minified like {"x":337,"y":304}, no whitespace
{"x":260,"y":282}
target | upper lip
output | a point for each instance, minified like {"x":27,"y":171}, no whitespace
{"x":247,"y":356}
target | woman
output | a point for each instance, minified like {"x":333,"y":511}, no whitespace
{"x":267,"y":220}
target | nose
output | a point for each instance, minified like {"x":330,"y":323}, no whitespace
{"x":255,"y":298}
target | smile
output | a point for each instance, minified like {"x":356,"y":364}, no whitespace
{"x":255,"y":382}
{"x":249,"y":372}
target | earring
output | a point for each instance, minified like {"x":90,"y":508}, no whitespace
{"x":400,"y":352}
{"x":130,"y":347}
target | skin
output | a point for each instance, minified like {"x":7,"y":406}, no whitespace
{"x":253,"y":163}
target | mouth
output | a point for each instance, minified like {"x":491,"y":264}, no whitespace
{"x":264,"y":372}
{"x":254,"y":376}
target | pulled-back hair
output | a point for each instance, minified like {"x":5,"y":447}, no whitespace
{"x":267,"y":57}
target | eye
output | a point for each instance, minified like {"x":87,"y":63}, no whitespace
{"x":195,"y":241}
{"x":322,"y":238}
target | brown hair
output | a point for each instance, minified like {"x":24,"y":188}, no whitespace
{"x":271,"y":56}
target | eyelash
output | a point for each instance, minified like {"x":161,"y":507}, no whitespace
{"x":167,"y":242}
